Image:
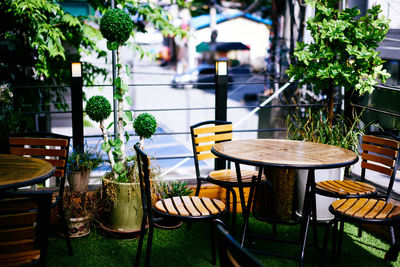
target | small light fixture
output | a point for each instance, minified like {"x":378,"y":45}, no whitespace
{"x":76,"y":69}
{"x":221,"y":67}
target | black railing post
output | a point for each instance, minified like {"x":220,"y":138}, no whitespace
{"x":77,"y":105}
{"x":221,"y":99}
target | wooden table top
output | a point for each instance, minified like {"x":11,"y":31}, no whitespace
{"x":18,"y":171}
{"x":285,"y":153}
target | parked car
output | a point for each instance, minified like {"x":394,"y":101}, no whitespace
{"x":204,"y":73}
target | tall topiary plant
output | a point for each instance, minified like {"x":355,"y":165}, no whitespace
{"x":343,"y":50}
{"x":116,"y":26}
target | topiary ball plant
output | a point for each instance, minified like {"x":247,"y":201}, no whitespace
{"x":98,"y":108}
{"x":116,"y":26}
{"x":145,"y":125}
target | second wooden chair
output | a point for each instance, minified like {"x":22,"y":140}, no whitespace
{"x":204,"y":135}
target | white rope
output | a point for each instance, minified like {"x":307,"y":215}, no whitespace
{"x":269,"y":99}
{"x":174,"y":167}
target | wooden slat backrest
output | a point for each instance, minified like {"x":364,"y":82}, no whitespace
{"x":24,"y":219}
{"x":205,"y":137}
{"x":16,"y":216}
{"x":53,"y":150}
{"x":379,"y":154}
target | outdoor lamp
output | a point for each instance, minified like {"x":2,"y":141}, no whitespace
{"x":76,"y":69}
{"x":221,"y":67}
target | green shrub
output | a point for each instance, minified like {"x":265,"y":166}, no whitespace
{"x":98,"y":108}
{"x":116,"y":26}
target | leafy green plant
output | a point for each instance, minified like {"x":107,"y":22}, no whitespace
{"x":343,"y":52}
{"x":314,"y":127}
{"x":172,"y":189}
{"x":83,"y":160}
{"x":116,"y":26}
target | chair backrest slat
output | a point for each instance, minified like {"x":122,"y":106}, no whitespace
{"x":32,"y":141}
{"x":21,"y":151}
{"x":380,"y":155}
{"x":213,"y":129}
{"x":213,"y":138}
{"x":24,"y":220}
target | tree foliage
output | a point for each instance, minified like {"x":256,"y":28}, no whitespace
{"x":37,"y":43}
{"x":343,"y":52}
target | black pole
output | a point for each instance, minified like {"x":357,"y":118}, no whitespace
{"x":77,"y":112}
{"x":221,"y":99}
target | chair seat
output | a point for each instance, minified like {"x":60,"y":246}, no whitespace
{"x":190,"y":207}
{"x":348,"y":188}
{"x":229,"y":176}
{"x":365,"y":210}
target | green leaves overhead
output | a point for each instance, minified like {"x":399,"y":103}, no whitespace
{"x":343,"y":52}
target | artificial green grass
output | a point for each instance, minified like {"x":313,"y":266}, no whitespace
{"x":191,"y":247}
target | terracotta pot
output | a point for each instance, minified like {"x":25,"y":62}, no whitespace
{"x":78,"y":181}
{"x":127,"y":212}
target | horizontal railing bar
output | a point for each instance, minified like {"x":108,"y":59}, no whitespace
{"x":179,"y":133}
{"x":377,"y":110}
{"x":388,"y":87}
{"x":197,"y":108}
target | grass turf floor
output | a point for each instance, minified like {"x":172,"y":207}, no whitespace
{"x":184,"y":247}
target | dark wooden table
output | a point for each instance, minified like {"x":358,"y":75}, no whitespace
{"x":18,"y":171}
{"x":276,"y":153}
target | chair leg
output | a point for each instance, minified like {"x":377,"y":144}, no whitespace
{"x":234,"y":211}
{"x":334,"y":239}
{"x":141,"y":237}
{"x":360,"y":230}
{"x":149,"y":244}
{"x":340,"y":239}
{"x":65,"y":227}
{"x":393,"y":252}
{"x":213,"y":247}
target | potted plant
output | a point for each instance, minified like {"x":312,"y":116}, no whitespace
{"x":80,"y":163}
{"x":313,"y":126}
{"x":116,"y":26}
{"x":78,"y":208}
{"x":168,"y":190}
{"x":342,"y":54}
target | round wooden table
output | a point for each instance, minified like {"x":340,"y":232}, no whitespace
{"x":18,"y":171}
{"x":276,"y":153}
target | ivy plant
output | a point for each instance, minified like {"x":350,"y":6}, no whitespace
{"x":343,"y":51}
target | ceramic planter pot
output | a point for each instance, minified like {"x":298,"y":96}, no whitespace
{"x":126,"y":213}
{"x":323,"y":202}
{"x":78,"y":227}
{"x":78,"y":181}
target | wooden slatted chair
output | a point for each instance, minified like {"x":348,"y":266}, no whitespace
{"x":380,"y":155}
{"x":204,"y":136}
{"x":187,"y":209}
{"x":24,"y":222}
{"x":54,"y":149}
{"x":231,"y":254}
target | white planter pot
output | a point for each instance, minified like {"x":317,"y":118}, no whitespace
{"x":323,"y":202}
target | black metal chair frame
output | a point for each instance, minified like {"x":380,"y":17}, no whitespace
{"x":149,"y":210}
{"x":228,"y":186}
{"x":392,"y":223}
{"x":59,"y":198}
{"x":43,"y":199}
{"x":229,"y":250}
